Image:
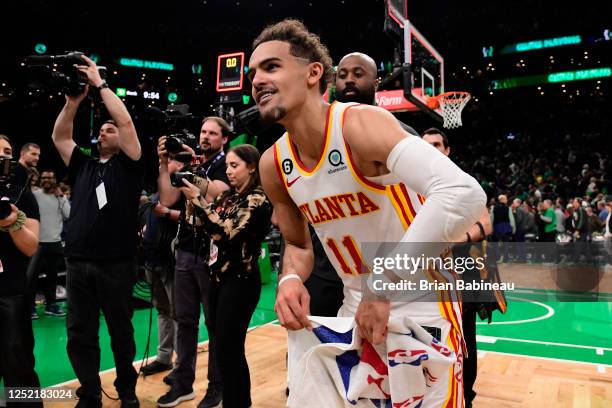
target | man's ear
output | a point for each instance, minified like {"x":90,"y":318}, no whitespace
{"x":315,"y":72}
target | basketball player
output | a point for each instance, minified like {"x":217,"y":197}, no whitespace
{"x":354,"y":174}
{"x":438,"y":139}
{"x":357,"y":81}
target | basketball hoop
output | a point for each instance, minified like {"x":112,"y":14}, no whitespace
{"x":451,"y":104}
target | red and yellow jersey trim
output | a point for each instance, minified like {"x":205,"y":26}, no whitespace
{"x":302,"y":168}
{"x":279,"y":169}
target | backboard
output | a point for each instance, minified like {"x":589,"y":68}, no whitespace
{"x":423,"y":65}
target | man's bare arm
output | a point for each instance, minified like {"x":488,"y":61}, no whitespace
{"x":62,"y":130}
{"x":292,"y":299}
{"x":168,"y":194}
{"x":128,"y":139}
{"x":298,"y":246}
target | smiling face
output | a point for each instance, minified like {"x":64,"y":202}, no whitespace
{"x":238,"y":171}
{"x":280,"y":81}
{"x":356,"y":79}
{"x":48,"y":181}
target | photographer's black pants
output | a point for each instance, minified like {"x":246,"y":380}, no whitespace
{"x":470,"y":362}
{"x":49,"y":255}
{"x":91,"y":287}
{"x":17,"y":346}
{"x":232,"y":303}
{"x":191,"y":289}
{"x":326,"y":296}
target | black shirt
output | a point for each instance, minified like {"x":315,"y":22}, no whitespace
{"x":158,"y":235}
{"x":13,"y":280}
{"x":109,"y":233}
{"x":187,"y":239}
{"x":407,"y":128}
{"x":321,"y":267}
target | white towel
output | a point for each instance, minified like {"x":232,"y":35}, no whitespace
{"x":332,"y":366}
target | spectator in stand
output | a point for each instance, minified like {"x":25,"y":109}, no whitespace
{"x":602,"y":211}
{"x":580,"y":230}
{"x":549,"y":219}
{"x":522,"y":224}
{"x":502,"y":220}
{"x":592,"y":188}
{"x":579,"y":224}
{"x":608,"y":229}
{"x":594,"y":225}
{"x":560,"y":214}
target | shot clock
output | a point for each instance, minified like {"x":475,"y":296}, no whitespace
{"x":230,"y":72}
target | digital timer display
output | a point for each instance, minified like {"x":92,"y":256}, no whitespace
{"x":230,"y":72}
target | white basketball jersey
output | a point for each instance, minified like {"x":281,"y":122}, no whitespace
{"x":347,"y":209}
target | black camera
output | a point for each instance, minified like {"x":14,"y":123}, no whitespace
{"x":7,"y":166}
{"x":58,"y":72}
{"x":176,"y":179}
{"x":176,"y":124}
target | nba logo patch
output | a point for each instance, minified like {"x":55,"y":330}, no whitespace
{"x":411,"y":357}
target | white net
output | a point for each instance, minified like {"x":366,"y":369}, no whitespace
{"x":451,"y":104}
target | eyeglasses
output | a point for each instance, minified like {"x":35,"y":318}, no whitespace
{"x":47,"y":177}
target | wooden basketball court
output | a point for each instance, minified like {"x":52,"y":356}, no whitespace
{"x":503,"y":380}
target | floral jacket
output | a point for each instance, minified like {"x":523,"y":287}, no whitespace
{"x":237,"y":224}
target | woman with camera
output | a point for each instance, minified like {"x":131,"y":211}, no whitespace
{"x":237,"y":221}
{"x":19,"y":228}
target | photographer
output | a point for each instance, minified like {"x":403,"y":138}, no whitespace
{"x":191,"y":279}
{"x":161,"y":225}
{"x":238,"y":221}
{"x":19,"y":229}
{"x":101,"y":238}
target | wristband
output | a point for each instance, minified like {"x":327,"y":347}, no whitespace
{"x":17,"y":225}
{"x":102,"y":86}
{"x":287,"y":277}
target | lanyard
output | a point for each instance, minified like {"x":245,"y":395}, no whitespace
{"x":216,"y":159}
{"x":101,"y":169}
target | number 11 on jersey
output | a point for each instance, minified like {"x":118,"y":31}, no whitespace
{"x":359,"y":265}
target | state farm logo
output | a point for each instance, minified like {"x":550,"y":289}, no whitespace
{"x":394,"y":100}
{"x":385,"y":101}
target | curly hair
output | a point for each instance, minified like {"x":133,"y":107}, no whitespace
{"x":303,"y":44}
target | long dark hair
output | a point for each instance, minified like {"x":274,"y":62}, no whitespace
{"x":250,"y":155}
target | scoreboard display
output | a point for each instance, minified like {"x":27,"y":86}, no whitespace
{"x":230,"y":72}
